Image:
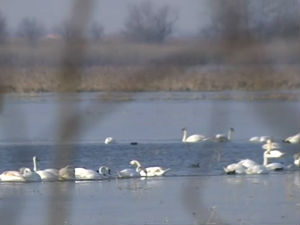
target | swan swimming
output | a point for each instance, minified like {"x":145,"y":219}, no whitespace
{"x":270,"y":145}
{"x":192,"y":138}
{"x":86,"y":174}
{"x":47,"y":174}
{"x":260,"y":139}
{"x":295,"y":139}
{"x":129,"y":172}
{"x":149,"y":171}
{"x":224,"y":137}
{"x":109,"y":140}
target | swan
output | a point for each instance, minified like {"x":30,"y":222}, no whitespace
{"x":86,"y":174}
{"x":235,"y":168}
{"x":104,"y":171}
{"x":47,"y":174}
{"x":66,"y":173}
{"x":109,"y":140}
{"x":260,"y":139}
{"x":149,"y":171}
{"x":193,"y":138}
{"x":295,"y":139}
{"x":29,"y":175}
{"x":12,"y":176}
{"x":270,"y":145}
{"x":257,"y":169}
{"x":272,"y":154}
{"x":129,"y":172}
{"x":297,"y":159}
{"x":224,"y":137}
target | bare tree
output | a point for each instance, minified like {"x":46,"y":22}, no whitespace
{"x":149,"y":23}
{"x":96,"y":31}
{"x":30,"y":29}
{"x":3,"y":29}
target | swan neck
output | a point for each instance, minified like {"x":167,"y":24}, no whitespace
{"x":266,"y":159}
{"x":184,"y":135}
{"x":35,"y":164}
{"x":229,"y":135}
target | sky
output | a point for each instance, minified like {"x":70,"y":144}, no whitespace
{"x":110,"y":13}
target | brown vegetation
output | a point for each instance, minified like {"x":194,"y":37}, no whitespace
{"x":190,"y":65}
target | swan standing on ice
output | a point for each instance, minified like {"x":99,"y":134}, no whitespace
{"x":193,"y":138}
{"x":148,"y":171}
{"x":109,"y":140}
{"x":224,"y":137}
{"x":295,"y":139}
{"x":47,"y":174}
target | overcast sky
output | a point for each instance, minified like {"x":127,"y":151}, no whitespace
{"x":192,"y":14}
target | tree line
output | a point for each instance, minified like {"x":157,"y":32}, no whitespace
{"x":148,"y":22}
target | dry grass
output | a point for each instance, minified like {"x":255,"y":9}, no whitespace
{"x":189,"y":65}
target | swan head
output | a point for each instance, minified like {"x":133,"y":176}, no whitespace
{"x":135,"y":163}
{"x":183,"y":129}
{"x":231,"y":129}
{"x":104,"y":170}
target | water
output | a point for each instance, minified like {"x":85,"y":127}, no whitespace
{"x":195,"y":191}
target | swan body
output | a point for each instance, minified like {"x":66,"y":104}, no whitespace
{"x":86,"y":174}
{"x":126,"y":173}
{"x":257,"y":169}
{"x":109,"y":140}
{"x":274,"y":166}
{"x":247,"y":163}
{"x":66,"y":173}
{"x":29,"y":175}
{"x":224,"y":137}
{"x":193,"y":138}
{"x":270,"y":145}
{"x":12,"y":176}
{"x":104,"y":171}
{"x":47,"y":174}
{"x":295,"y":139}
{"x":149,"y":171}
{"x":260,"y":139}
{"x":297,"y":159}
{"x":235,"y":168}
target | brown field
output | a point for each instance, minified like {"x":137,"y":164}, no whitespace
{"x":178,"y":65}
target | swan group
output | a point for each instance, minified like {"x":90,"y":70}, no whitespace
{"x":248,"y":166}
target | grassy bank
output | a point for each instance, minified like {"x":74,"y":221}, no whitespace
{"x":189,"y":65}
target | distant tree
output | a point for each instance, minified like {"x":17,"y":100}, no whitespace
{"x":30,"y":29}
{"x":97,"y":31}
{"x":68,"y":31}
{"x":3,"y":29}
{"x":149,"y":23}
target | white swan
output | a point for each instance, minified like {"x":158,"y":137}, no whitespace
{"x":193,"y":138}
{"x":260,"y":139}
{"x":257,"y":169}
{"x":109,"y":140}
{"x":129,"y":172}
{"x":224,"y":137}
{"x":297,"y":159}
{"x":12,"y":176}
{"x":86,"y":174}
{"x":104,"y":171}
{"x":47,"y":174}
{"x":149,"y":171}
{"x":29,"y":175}
{"x":66,"y":173}
{"x":270,"y":145}
{"x":272,"y":154}
{"x":295,"y":139}
{"x":235,"y":168}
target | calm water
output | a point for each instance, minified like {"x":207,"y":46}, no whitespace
{"x":195,"y":191}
